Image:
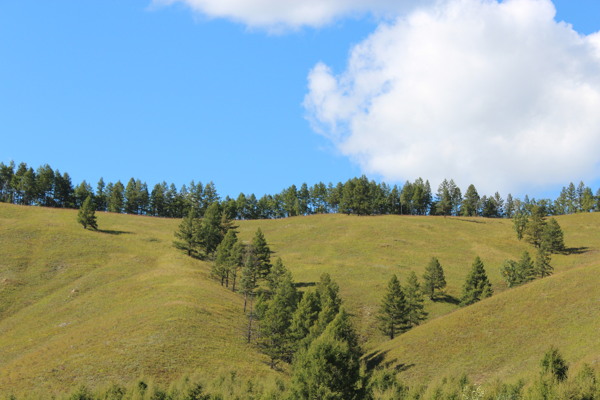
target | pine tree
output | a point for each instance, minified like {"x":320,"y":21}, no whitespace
{"x":444,"y":199}
{"x":433,"y":278}
{"x":224,"y":257}
{"x":526,"y":267}
{"x":534,"y":230}
{"x":87,"y":214}
{"x":277,"y":274}
{"x":304,"y":319}
{"x":477,"y":285}
{"x":236,"y":258}
{"x":131,"y":197}
{"x":211,"y":233}
{"x":82,"y":192}
{"x":520,"y":224}
{"x":329,"y":303}
{"x":511,"y":273}
{"x":414,"y":300}
{"x":542,"y":263}
{"x":249,"y":283}
{"x":249,"y":278}
{"x":274,"y":335}
{"x":45,"y":185}
{"x":100,"y":196}
{"x":262,"y":254}
{"x":115,"y":197}
{"x":509,"y":208}
{"x":330,"y":368}
{"x":188,"y":234}
{"x":517,"y":273}
{"x":554,"y":365}
{"x":393,"y":312}
{"x":552,"y":237}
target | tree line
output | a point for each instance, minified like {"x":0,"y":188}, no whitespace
{"x":47,"y":187}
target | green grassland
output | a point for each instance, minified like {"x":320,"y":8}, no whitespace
{"x":92,"y":307}
{"x":505,"y":337}
{"x":89,"y":307}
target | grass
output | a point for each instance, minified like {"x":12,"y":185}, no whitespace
{"x":362,"y":253}
{"x":89,"y":307}
{"x":505,"y":336}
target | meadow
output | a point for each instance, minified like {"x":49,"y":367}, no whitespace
{"x":79,"y":306}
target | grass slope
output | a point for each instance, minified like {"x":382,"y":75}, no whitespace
{"x":506,"y":335}
{"x":82,"y":306}
{"x":362,"y":253}
{"x":92,"y":307}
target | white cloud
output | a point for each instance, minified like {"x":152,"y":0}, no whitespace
{"x":292,"y":14}
{"x":496,"y":94}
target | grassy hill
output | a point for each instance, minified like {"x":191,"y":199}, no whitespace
{"x":82,"y":306}
{"x":505,"y":337}
{"x":362,"y":253}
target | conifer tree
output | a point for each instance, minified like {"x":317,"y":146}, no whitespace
{"x":393,"y":312}
{"x":115,"y":197}
{"x":542,"y":263}
{"x":511,"y":273}
{"x":248,"y":283}
{"x":87,"y":214}
{"x":477,"y":285}
{"x":82,"y":192}
{"x":278,"y":273}
{"x":224,"y":259}
{"x":211,"y":233}
{"x":304,"y":319}
{"x":520,"y":224}
{"x":552,"y":237}
{"x":188,"y":234}
{"x":444,"y":199}
{"x":249,"y":278}
{"x":274,"y":334}
{"x":236,"y":259}
{"x":554,"y":365}
{"x":517,"y":273}
{"x":45,"y":186}
{"x":329,"y":303}
{"x":414,"y":300}
{"x":330,"y":367}
{"x":470,"y":202}
{"x":534,"y":230}
{"x":262,"y":254}
{"x":433,"y":278}
{"x":527,"y":268}
{"x":100,"y":196}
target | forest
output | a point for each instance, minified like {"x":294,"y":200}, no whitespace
{"x":47,"y":187}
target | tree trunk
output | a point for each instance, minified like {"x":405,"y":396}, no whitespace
{"x":250,"y":317}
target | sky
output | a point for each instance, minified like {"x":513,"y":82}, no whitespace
{"x":256,"y":95}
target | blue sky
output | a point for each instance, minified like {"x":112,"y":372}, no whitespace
{"x":172,"y":92}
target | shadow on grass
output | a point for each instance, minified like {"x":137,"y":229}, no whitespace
{"x":576,"y":250}
{"x":470,"y":220}
{"x":446,"y":298}
{"x":304,"y":284}
{"x":112,"y":232}
{"x":375,"y":360}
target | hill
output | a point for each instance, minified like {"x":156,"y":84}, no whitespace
{"x":505,"y":337}
{"x":362,"y":253}
{"x":89,"y":307}
{"x":81,"y":306}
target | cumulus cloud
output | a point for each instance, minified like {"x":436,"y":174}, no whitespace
{"x":495,"y":94}
{"x":292,"y":14}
